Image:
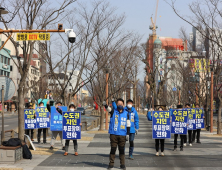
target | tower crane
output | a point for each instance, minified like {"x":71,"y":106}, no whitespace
{"x":153,"y":27}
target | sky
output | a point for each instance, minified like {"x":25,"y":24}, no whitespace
{"x":138,"y":13}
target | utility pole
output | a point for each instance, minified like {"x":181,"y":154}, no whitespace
{"x":179,"y":97}
{"x":211,"y":100}
{"x":196,"y":94}
{"x":3,"y":107}
{"x":107,"y":78}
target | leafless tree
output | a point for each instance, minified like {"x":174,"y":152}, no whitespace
{"x":30,"y":15}
{"x":205,"y":16}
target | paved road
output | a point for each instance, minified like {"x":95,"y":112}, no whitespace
{"x":95,"y":154}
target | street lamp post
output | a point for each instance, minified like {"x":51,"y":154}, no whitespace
{"x":3,"y":107}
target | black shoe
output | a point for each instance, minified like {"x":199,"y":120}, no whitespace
{"x":110,"y":167}
{"x":199,"y":142}
{"x":123,"y":167}
{"x":181,"y":149}
{"x":175,"y":149}
{"x":63,"y":148}
{"x":51,"y":148}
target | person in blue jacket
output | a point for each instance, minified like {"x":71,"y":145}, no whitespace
{"x":157,"y":141}
{"x":118,"y":132}
{"x":134,"y":124}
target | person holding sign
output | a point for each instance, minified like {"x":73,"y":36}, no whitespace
{"x":118,"y":132}
{"x":41,"y":104}
{"x":161,"y":128}
{"x":27,"y":131}
{"x":55,"y":133}
{"x":73,"y":122}
{"x":190,"y":120}
{"x":179,"y":125}
{"x":200,"y":116}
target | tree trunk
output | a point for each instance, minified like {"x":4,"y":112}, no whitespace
{"x":21,"y":114}
{"x":102,"y":119}
{"x":219,"y":119}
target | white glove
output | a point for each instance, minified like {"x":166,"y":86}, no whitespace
{"x":104,"y":103}
{"x":127,"y":137}
{"x":137,"y":131}
{"x":113,"y":99}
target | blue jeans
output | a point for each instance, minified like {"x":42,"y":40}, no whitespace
{"x":131,"y":139}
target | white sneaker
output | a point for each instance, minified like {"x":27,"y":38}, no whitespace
{"x":157,"y":154}
{"x":162,"y":154}
{"x":190,"y":144}
{"x":184,"y":144}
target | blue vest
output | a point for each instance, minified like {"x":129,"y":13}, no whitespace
{"x":117,"y":125}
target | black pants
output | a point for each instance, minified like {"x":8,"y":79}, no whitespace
{"x":75,"y":144}
{"x":44,"y":135}
{"x":27,"y":132}
{"x":159,"y":143}
{"x":189,"y":136}
{"x":181,"y":140}
{"x":198,"y":135}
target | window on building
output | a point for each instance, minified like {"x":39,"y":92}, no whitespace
{"x":3,"y":42}
{"x":5,"y":73}
{"x":2,"y":72}
{"x":2,"y":59}
{"x":8,"y":61}
{"x":10,"y":68}
{"x":8,"y":74}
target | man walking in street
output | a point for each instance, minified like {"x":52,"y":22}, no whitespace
{"x":41,"y":104}
{"x":134,"y":127}
{"x":118,"y":132}
{"x":134,"y":119}
{"x":181,"y":136}
{"x":197,"y":131}
{"x":189,"y":131}
{"x":55,"y":133}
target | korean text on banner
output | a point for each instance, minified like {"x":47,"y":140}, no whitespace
{"x":200,"y":119}
{"x":71,"y":125}
{"x":179,"y":121}
{"x":30,"y":121}
{"x":161,"y":125}
{"x":33,"y":36}
{"x":56,"y":118}
{"x":191,"y":119}
{"x":42,"y":117}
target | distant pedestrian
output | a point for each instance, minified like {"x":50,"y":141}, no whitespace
{"x":118,"y":132}
{"x":181,"y":136}
{"x":158,"y":142}
{"x":197,"y":131}
{"x":189,"y":132}
{"x":72,"y":108}
{"x":132,"y":115}
{"x":41,"y":104}
{"x":56,"y":133}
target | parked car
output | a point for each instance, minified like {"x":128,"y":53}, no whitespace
{"x":81,"y":109}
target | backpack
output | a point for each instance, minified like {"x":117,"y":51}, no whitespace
{"x":12,"y":142}
{"x":26,"y":152}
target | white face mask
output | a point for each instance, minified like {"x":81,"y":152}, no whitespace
{"x":72,"y":110}
{"x":129,"y":106}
